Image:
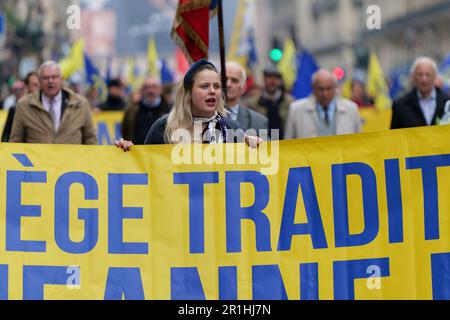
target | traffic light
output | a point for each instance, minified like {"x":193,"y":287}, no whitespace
{"x":339,"y":73}
{"x":276,"y":54}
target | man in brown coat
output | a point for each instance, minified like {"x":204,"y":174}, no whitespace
{"x":53,"y":114}
{"x":274,"y":102}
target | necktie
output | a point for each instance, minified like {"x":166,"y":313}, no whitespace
{"x":327,"y":120}
{"x":52,"y":111}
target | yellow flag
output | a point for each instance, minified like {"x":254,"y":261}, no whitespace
{"x":74,"y":61}
{"x":153,"y":59}
{"x":376,"y":84}
{"x":347,"y":88}
{"x":131,"y":69}
{"x":237,"y":51}
{"x":288,"y":64}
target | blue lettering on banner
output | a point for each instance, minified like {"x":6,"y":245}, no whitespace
{"x":228,"y":283}
{"x":235,"y":213}
{"x":124,"y":283}
{"x":89,"y":215}
{"x":345,"y":272}
{"x":185,"y":284}
{"x":117,"y":213}
{"x":314,"y":226}
{"x":428,"y":165}
{"x":343,"y":237}
{"x":15,"y":210}
{"x":103,"y":135}
{"x":196,"y":182}
{"x":3,"y":282}
{"x":309,"y":281}
{"x":268,"y":283}
{"x":35,"y":277}
{"x":23,"y":159}
{"x":440,"y":273}
{"x":394,"y":200}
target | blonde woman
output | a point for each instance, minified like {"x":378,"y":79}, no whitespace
{"x":198,"y":115}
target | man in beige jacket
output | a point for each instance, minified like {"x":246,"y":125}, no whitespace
{"x":53,"y":114}
{"x":323,"y":113}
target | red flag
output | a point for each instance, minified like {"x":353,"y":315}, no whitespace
{"x":190,"y":28}
{"x":182,"y":63}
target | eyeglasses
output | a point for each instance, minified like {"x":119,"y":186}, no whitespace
{"x":53,"y":77}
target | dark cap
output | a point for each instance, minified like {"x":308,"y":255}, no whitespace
{"x":114,"y":83}
{"x":194,"y":68}
{"x":272,"y":71}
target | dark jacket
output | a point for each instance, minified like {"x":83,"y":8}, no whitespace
{"x":138,"y":119}
{"x":275,"y":111}
{"x":250,"y":119}
{"x":156,"y":133}
{"x":112,"y":104}
{"x":406,"y":111}
{"x":8,"y":124}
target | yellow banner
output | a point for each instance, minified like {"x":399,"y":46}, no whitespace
{"x":375,"y":119}
{"x":352,"y":217}
{"x":109,"y":124}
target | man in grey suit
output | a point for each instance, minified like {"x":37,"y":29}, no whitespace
{"x":323,"y":113}
{"x":236,"y":86}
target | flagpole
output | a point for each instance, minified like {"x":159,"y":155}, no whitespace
{"x":222,"y":48}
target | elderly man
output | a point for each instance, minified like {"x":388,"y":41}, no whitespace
{"x":236,"y":86}
{"x":53,"y":114}
{"x":140,"y":116}
{"x":323,"y":113}
{"x":424,"y":105}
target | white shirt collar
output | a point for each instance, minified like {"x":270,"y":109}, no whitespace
{"x":234,"y":109}
{"x":57,"y":99}
{"x":431,"y":96}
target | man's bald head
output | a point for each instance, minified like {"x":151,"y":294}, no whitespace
{"x":324,"y":85}
{"x":236,"y":82}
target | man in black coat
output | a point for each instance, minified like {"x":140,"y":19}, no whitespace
{"x":115,"y":100}
{"x":424,"y":105}
{"x":140,"y":116}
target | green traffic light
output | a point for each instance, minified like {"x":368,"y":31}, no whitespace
{"x":276,"y":55}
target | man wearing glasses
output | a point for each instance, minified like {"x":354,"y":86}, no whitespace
{"x":53,"y":114}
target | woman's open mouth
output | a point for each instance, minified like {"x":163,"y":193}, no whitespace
{"x":211,"y":102}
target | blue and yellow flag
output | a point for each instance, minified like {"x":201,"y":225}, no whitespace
{"x":94,"y":78}
{"x":242,"y":44}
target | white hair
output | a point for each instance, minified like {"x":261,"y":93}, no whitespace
{"x":48,"y":64}
{"x":243,"y":73}
{"x":423,"y":60}
{"x":316,"y":74}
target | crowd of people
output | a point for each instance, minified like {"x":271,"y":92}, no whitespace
{"x":42,"y":109}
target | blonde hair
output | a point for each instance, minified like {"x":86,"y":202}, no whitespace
{"x":180,"y":117}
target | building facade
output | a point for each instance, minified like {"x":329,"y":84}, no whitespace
{"x":336,"y":31}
